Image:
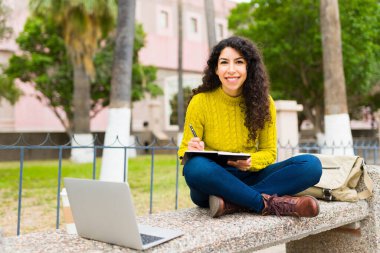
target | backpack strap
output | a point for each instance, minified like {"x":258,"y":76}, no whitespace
{"x":367,"y":182}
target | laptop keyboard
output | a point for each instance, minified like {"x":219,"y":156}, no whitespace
{"x":149,"y":238}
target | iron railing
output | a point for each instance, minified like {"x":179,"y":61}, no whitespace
{"x":368,"y":149}
{"x":21,"y":145}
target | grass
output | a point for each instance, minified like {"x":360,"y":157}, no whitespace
{"x":39,"y":191}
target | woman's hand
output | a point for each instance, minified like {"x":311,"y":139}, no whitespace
{"x":243,"y":165}
{"x":196,"y":144}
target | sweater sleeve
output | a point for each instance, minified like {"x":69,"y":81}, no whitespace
{"x":267,"y":142}
{"x":195,"y":117}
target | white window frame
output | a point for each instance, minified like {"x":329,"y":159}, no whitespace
{"x":169,"y":30}
{"x":221,"y":22}
{"x":190,"y":34}
{"x":164,"y":19}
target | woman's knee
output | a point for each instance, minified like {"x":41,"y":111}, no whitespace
{"x":313,"y":167}
{"x":192,"y":167}
{"x":198,"y":167}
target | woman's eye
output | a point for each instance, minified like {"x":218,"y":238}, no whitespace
{"x":223,"y":62}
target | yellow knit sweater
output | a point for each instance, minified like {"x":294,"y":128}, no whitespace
{"x":218,"y":120}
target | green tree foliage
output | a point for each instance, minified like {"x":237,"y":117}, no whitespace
{"x":288,"y":33}
{"x":46,"y":65}
{"x":373,"y":98}
{"x":174,"y":102}
{"x":7,"y":90}
{"x":5,"y":30}
{"x":143,"y":77}
{"x":83,"y":24}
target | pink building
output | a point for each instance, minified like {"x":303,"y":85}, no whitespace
{"x":159,"y":19}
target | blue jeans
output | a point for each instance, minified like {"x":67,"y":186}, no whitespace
{"x":205,"y":177}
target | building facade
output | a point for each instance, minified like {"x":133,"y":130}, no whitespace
{"x":160,"y":22}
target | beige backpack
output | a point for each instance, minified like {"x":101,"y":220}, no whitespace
{"x":340,"y":176}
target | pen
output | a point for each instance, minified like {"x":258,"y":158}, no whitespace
{"x":193,"y":131}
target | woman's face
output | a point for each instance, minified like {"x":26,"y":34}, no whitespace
{"x":232,"y":71}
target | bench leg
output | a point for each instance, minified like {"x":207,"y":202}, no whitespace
{"x":365,"y":239}
{"x":336,"y":240}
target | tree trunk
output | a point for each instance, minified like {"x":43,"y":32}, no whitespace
{"x":337,"y":121}
{"x":121,"y":82}
{"x":334,"y":82}
{"x":314,"y":114}
{"x":318,"y":119}
{"x":81,"y":121}
{"x":210,"y":19}
{"x":113,"y":162}
{"x":81,"y":100}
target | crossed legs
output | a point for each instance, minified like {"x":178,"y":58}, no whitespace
{"x":205,"y":177}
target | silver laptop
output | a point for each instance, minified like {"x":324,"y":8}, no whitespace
{"x":104,"y":211}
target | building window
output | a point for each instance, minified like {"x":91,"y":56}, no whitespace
{"x":164,"y":19}
{"x":194,"y":25}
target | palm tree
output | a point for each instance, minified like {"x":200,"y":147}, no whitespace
{"x":120,"y":104}
{"x":84,"y":23}
{"x":337,"y":120}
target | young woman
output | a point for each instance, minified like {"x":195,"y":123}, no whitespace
{"x":233,"y":111}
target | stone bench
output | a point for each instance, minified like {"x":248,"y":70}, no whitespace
{"x":340,"y":227}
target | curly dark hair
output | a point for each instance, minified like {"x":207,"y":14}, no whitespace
{"x":255,"y":88}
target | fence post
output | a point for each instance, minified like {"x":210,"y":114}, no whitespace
{"x":22,"y":152}
{"x":287,"y":127}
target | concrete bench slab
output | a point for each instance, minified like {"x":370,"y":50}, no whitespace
{"x":244,"y":232}
{"x":231,"y":233}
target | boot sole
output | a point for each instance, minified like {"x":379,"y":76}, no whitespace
{"x":214,"y":203}
{"x":316,"y":202}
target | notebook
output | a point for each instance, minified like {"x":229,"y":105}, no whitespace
{"x":220,"y":157}
{"x":104,"y":211}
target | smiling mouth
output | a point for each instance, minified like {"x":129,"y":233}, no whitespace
{"x":232,"y":78}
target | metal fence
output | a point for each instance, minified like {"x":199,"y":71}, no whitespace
{"x":21,"y":145}
{"x":368,"y":149}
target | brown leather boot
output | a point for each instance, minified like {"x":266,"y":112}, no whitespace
{"x":219,"y":207}
{"x":305,"y":206}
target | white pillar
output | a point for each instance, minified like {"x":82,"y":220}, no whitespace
{"x":338,"y":137}
{"x":287,"y":128}
{"x":82,"y":155}
{"x":113,"y":158}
